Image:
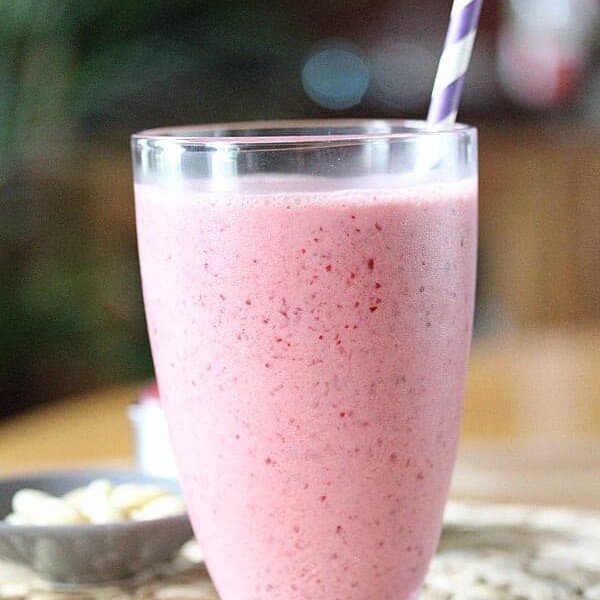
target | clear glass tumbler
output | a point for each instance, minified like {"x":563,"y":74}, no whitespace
{"x":309,"y":291}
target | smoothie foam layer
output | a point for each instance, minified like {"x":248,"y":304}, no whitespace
{"x":311,"y":352}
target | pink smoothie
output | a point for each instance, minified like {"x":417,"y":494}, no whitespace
{"x":311,"y":352}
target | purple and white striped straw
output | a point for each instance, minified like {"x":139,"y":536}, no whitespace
{"x":454,"y":63}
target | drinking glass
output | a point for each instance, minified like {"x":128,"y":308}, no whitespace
{"x":309,"y":291}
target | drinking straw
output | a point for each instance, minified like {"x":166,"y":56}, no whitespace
{"x":454,"y":63}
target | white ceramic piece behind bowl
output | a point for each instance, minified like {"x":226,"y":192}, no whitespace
{"x":154,"y":454}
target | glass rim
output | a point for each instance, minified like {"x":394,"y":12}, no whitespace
{"x":272,"y":132}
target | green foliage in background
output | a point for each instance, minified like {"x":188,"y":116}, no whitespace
{"x":68,"y":60}
{"x":78,"y":74}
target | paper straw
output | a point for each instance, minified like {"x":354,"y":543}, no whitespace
{"x":454,"y":63}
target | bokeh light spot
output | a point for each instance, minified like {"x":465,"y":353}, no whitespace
{"x":336,"y":75}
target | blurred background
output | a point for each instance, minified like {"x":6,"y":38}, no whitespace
{"x":78,"y":77}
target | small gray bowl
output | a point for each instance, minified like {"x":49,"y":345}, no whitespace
{"x":89,"y":554}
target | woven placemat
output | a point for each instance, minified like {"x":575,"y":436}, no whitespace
{"x":487,"y":552}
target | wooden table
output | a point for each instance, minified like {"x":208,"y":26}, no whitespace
{"x":81,"y":430}
{"x":531,"y":431}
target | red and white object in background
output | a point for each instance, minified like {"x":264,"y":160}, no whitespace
{"x":154,"y":454}
{"x":543,"y":49}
